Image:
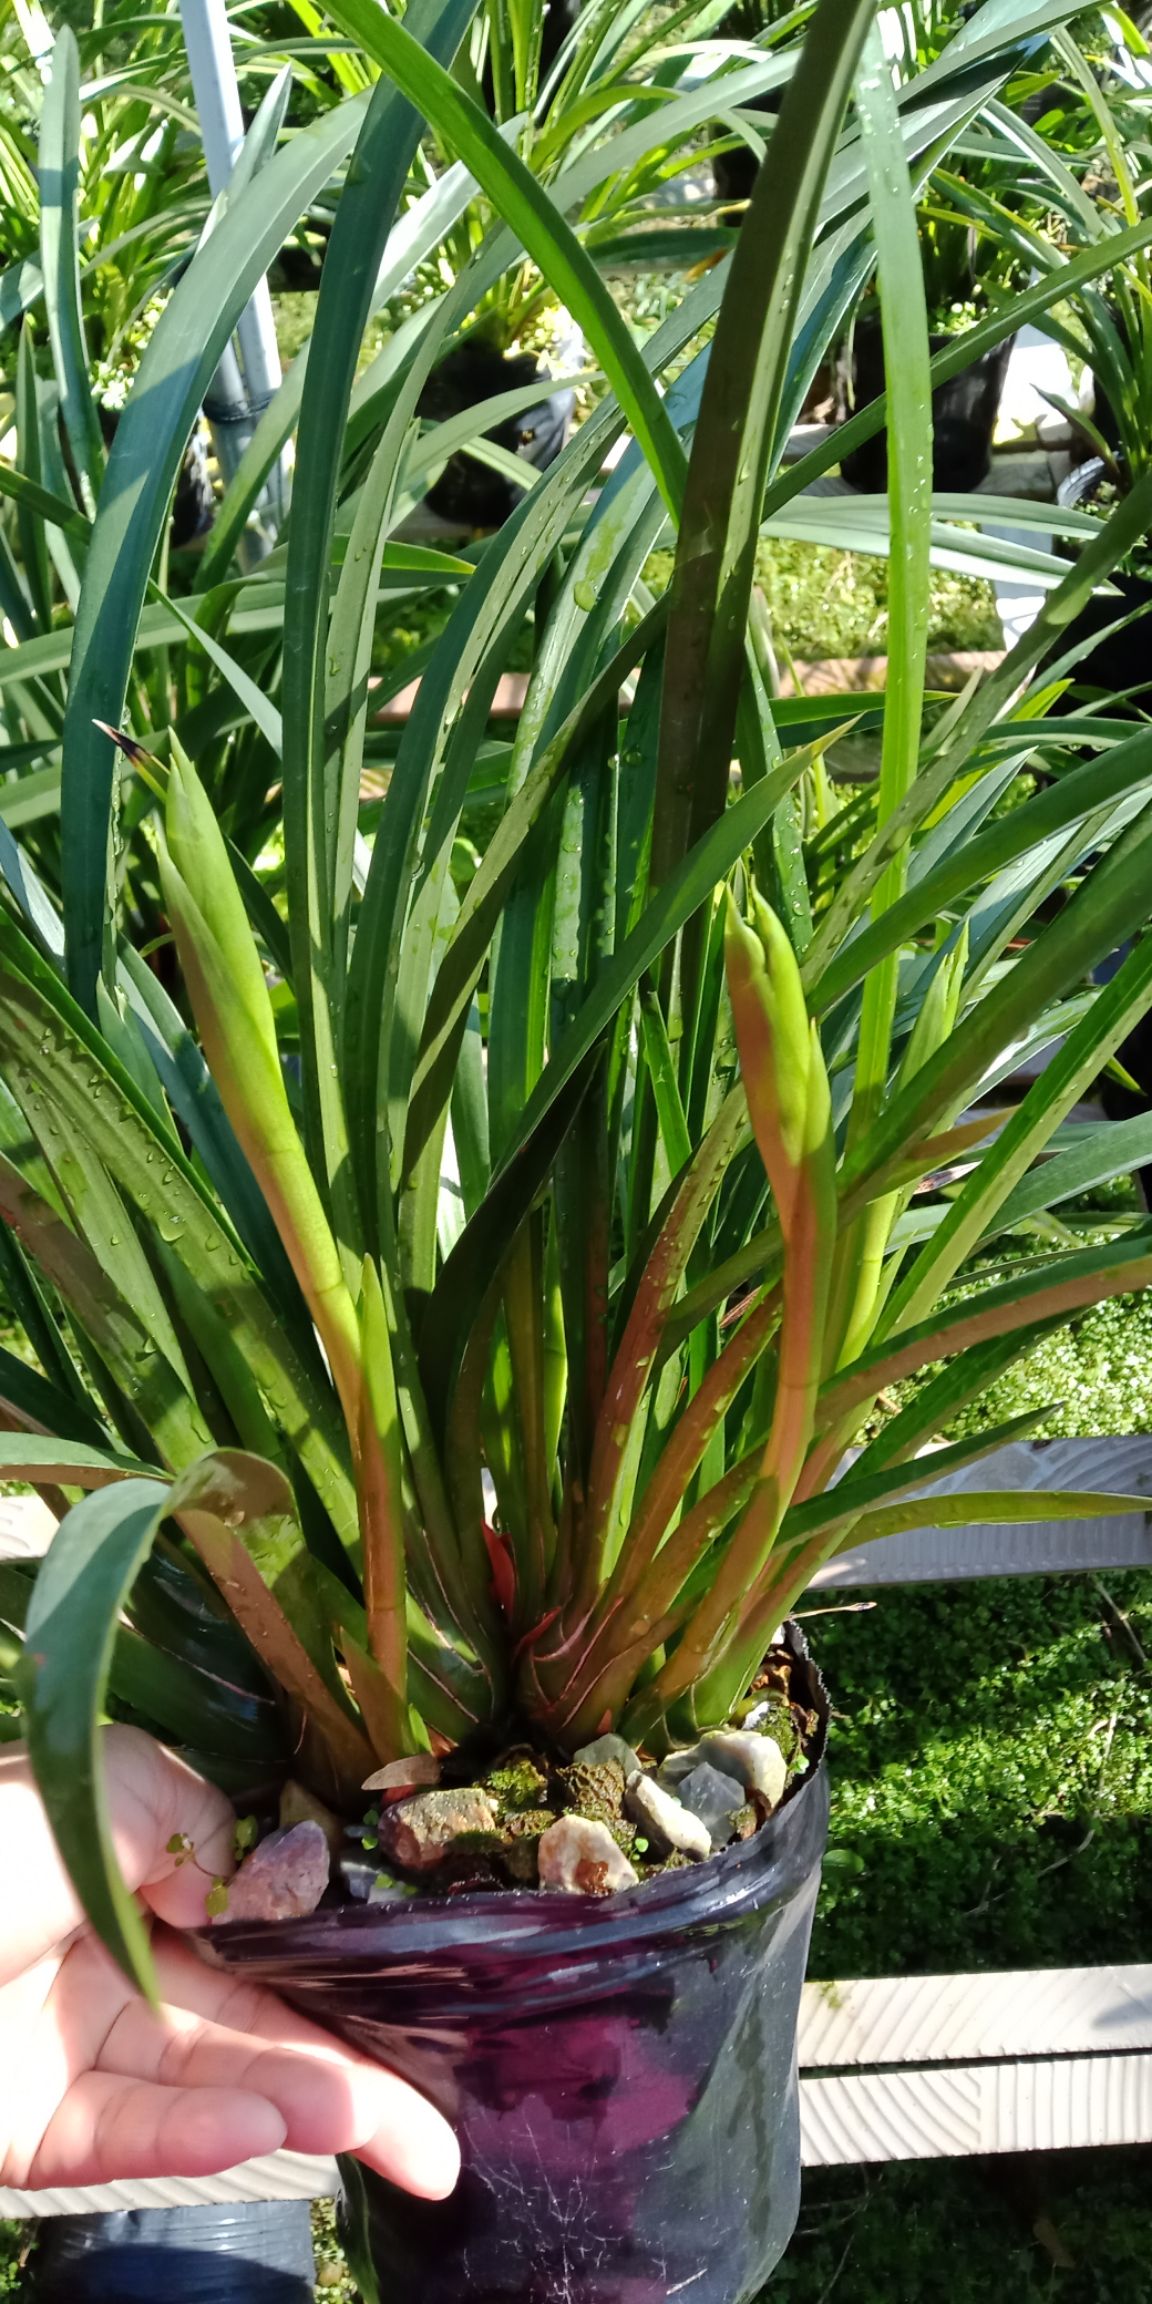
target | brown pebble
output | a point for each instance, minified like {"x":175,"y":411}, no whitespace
{"x":398,"y":1776}
{"x":417,"y":1833}
{"x":283,"y":1878}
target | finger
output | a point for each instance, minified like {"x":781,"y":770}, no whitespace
{"x":110,"y":2128}
{"x":401,"y":2134}
{"x":329,"y":2100}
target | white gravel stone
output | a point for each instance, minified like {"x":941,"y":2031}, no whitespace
{"x":755,"y":1761}
{"x":667,"y":1822}
{"x":580,"y":1857}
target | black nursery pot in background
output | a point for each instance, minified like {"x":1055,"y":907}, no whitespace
{"x":734,"y":172}
{"x":240,"y":2252}
{"x":1120,"y":660}
{"x":467,"y":492}
{"x":622,"y":2075}
{"x":964,"y":412}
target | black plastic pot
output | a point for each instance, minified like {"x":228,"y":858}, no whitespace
{"x":254,"y":2252}
{"x":194,"y":502}
{"x":964,"y":413}
{"x":734,"y":172}
{"x":622,"y":2075}
{"x":560,"y":18}
{"x":467,"y":493}
{"x":1119,"y":660}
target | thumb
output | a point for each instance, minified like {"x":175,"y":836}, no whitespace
{"x":171,"y":1829}
{"x":172,"y":1834}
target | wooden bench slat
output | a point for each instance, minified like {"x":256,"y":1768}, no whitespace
{"x":1034,"y":2012}
{"x":951,"y":2113}
{"x":960,"y":1555}
{"x":1029,"y":1548}
{"x":278,"y":2176}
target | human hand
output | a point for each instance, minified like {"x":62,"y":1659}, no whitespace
{"x":96,"y":2086}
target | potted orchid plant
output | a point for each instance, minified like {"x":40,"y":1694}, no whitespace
{"x":468,"y":1296}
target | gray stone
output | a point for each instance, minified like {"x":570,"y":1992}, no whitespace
{"x":677,"y":1766}
{"x":755,"y":1761}
{"x":367,"y":1884}
{"x":419,"y":1833}
{"x":283,"y":1879}
{"x":581,"y":1858}
{"x":358,"y":1876}
{"x":715,"y":1798}
{"x":664,"y":1819}
{"x":610,"y":1748}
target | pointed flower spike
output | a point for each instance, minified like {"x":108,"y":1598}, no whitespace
{"x":233,"y":1011}
{"x":775,"y":1042}
{"x":197,"y":852}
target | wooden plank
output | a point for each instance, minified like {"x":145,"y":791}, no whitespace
{"x":961,"y":2109}
{"x":955,"y":1555}
{"x":26,"y":1527}
{"x":278,"y":2176}
{"x":1046,"y":2105}
{"x":855,"y":675}
{"x":816,"y":676}
{"x":1030,"y":1548}
{"x":938,"y":2019}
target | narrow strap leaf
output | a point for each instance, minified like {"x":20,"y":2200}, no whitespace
{"x":80,"y":1591}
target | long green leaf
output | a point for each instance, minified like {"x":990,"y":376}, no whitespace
{"x":59,"y":171}
{"x":906,"y":359}
{"x":1116,"y":1149}
{"x":1115,"y":1012}
{"x":71,"y":1628}
{"x":312,"y":786}
{"x":734,"y":437}
{"x":181,"y":358}
{"x":1108,"y":908}
{"x":1064,"y":1285}
{"x":43,"y":1029}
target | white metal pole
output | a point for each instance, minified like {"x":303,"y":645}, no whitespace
{"x":241,"y":388}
